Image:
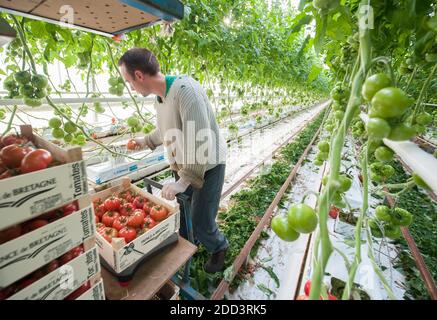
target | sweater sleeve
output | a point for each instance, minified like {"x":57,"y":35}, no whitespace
{"x":195,"y":123}
{"x":153,"y":139}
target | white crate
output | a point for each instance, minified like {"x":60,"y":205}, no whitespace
{"x":22,"y":255}
{"x":120,"y":255}
{"x":26,"y":196}
{"x":63,"y":281}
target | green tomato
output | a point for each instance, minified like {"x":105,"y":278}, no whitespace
{"x":419,"y":129}
{"x":424,"y":118}
{"x":113,"y":90}
{"x":420,"y":183}
{"x":339,"y":115}
{"x":378,"y":128}
{"x":392,"y":231}
{"x":282,"y":229}
{"x":70,"y":127}
{"x":98,"y":107}
{"x":132,"y":121}
{"x":39,"y":81}
{"x":323,"y":146}
{"x":384,"y":154}
{"x":32,"y":102}
{"x":373,"y":144}
{"x":26,"y":90}
{"x":402,"y":217}
{"x":388,"y":171}
{"x":40,"y":93}
{"x":318,"y":162}
{"x":374,"y":228}
{"x":373,"y":84}
{"x":55,"y":122}
{"x":68,"y":138}
{"x":302,"y":218}
{"x":113,"y":81}
{"x":390,"y":102}
{"x":322,"y":156}
{"x":22,"y":77}
{"x":10,"y":84}
{"x":58,"y":133}
{"x":148,"y":127}
{"x":401,"y":132}
{"x":80,"y":138}
{"x":345,"y":183}
{"x":382,"y":213}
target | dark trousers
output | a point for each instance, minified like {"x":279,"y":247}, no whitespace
{"x":204,"y":207}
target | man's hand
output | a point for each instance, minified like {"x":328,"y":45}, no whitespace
{"x":169,"y":190}
{"x":137,"y":143}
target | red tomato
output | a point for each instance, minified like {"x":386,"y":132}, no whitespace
{"x":51,"y":215}
{"x":34,"y":224}
{"x":131,"y":144}
{"x":128,"y":234}
{"x":77,"y":251}
{"x":307,"y":287}
{"x":100,"y":227}
{"x":149,"y":222}
{"x":13,"y":139}
{"x":127,"y":195}
{"x":109,"y":217}
{"x":158,"y":213}
{"x":148,"y":207}
{"x":66,"y":257}
{"x":136,"y":219}
{"x":35,"y":160}
{"x":6,"y":174}
{"x":12,"y":155}
{"x":139,"y":202}
{"x":302,"y":297}
{"x":100,"y":210}
{"x":127,"y":209}
{"x":142,"y":231}
{"x":332,"y":297}
{"x":109,"y":233}
{"x":51,"y":266}
{"x":97,"y":219}
{"x":333,"y":212}
{"x":70,"y":207}
{"x":10,"y":233}
{"x":120,"y":222}
{"x":112,"y":204}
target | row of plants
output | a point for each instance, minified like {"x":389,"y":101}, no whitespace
{"x":248,"y":205}
{"x":252,"y":56}
{"x":382,"y":55}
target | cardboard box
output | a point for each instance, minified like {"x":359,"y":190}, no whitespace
{"x":97,"y":292}
{"x":67,"y":278}
{"x":26,"y":196}
{"x":108,"y":170}
{"x":20,"y":256}
{"x":120,"y":255}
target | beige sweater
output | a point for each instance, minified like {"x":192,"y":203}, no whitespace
{"x":187,"y":127}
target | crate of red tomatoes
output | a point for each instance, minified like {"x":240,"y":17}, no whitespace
{"x":37,"y":176}
{"x":46,"y":240}
{"x":131,"y":224}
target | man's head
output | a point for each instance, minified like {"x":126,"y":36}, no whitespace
{"x":138,"y":67}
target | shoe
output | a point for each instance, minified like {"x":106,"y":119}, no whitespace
{"x":216,"y":262}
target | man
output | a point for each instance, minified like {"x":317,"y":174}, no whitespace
{"x":187,"y":127}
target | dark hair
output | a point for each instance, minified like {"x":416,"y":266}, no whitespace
{"x":139,"y":59}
